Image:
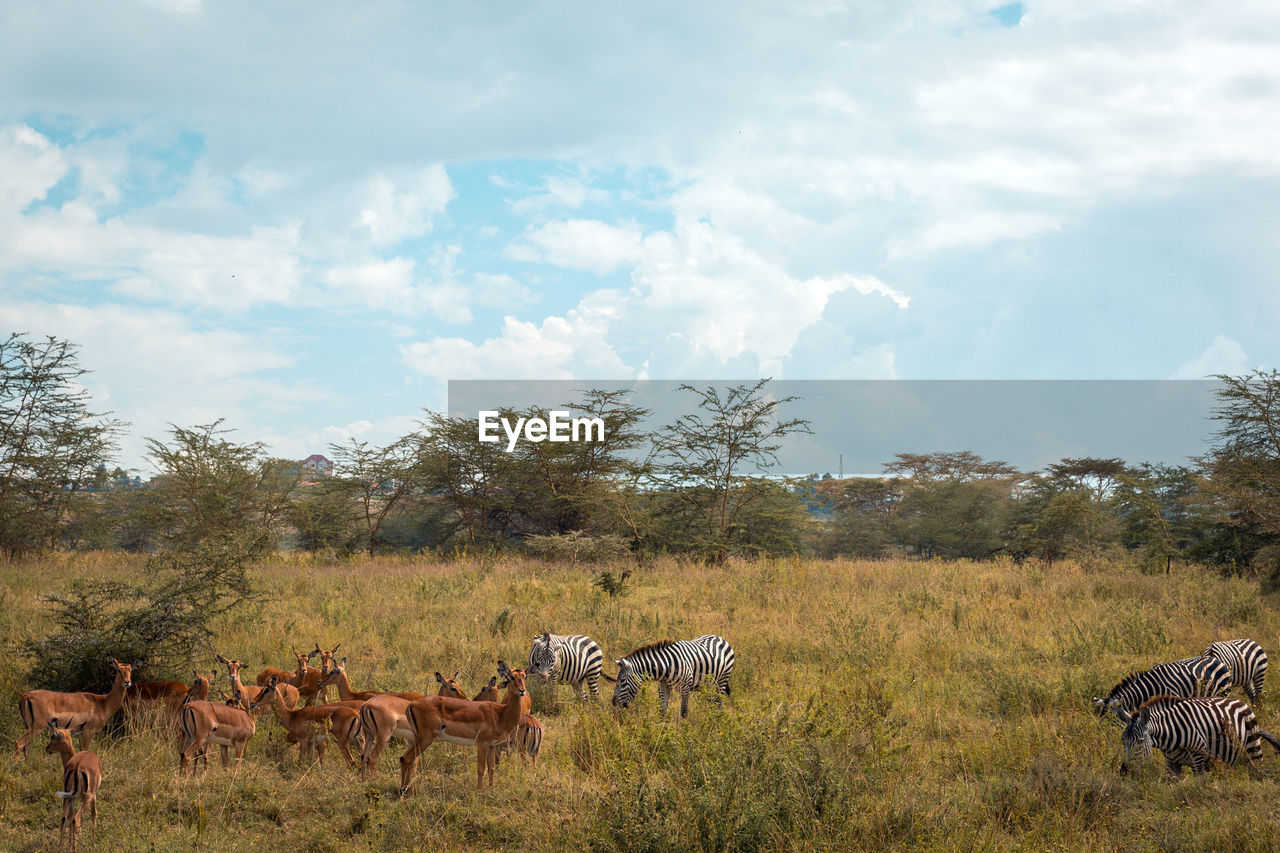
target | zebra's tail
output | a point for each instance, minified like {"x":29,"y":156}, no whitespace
{"x":1269,"y":738}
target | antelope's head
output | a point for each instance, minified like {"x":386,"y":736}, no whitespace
{"x":450,"y":686}
{"x":126,"y":671}
{"x":336,"y":672}
{"x":59,"y":737}
{"x":326,"y":657}
{"x":513,"y":679}
{"x":489,"y":693}
{"x":233,"y":667}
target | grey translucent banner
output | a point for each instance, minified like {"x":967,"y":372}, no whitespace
{"x":859,"y":425}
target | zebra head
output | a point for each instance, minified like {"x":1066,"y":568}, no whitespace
{"x":628,"y":684}
{"x":1136,"y":738}
{"x":542,"y":657}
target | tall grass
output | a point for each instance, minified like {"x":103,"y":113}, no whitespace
{"x":876,"y":705}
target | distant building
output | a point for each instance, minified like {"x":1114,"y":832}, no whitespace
{"x":316,"y":467}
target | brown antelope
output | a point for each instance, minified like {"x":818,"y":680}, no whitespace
{"x":251,"y":691}
{"x":81,"y":776}
{"x":338,"y":677}
{"x":527,"y":737}
{"x":307,"y":679}
{"x":482,"y":724}
{"x":202,"y":723}
{"x":84,"y":712}
{"x":170,"y":696}
{"x":383,"y":717}
{"x":308,"y":727}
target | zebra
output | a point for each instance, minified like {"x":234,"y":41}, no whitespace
{"x":675,"y":665}
{"x":1194,"y":732}
{"x":1197,"y":676}
{"x":575,"y":660}
{"x":1248,"y":664}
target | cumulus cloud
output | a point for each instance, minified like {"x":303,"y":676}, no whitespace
{"x":700,"y":302}
{"x":1222,"y":355}
{"x":395,"y":211}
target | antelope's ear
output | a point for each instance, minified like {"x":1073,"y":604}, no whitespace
{"x":54,"y":724}
{"x":439,"y":678}
{"x":80,"y":727}
{"x":222,"y":660}
{"x":454,"y":677}
{"x":313,"y":652}
{"x":196,"y":673}
{"x":503,"y":669}
{"x":138,"y":664}
{"x":493,"y":680}
{"x":271,"y":682}
{"x":335,"y":650}
{"x":343,"y":663}
{"x":213,"y":673}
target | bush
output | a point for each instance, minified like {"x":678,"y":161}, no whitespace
{"x":161,"y":621}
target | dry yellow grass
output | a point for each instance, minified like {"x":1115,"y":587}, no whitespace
{"x":876,"y":705}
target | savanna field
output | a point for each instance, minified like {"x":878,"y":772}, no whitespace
{"x":876,"y":705}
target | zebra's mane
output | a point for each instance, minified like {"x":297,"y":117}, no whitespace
{"x":1156,"y":700}
{"x":661,"y":644}
{"x":1126,"y":681}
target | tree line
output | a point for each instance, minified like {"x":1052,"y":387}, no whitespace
{"x":704,"y":485}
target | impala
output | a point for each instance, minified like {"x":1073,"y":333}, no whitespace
{"x":383,"y":717}
{"x":84,"y":712}
{"x":482,"y":724}
{"x":338,"y":676}
{"x":81,"y":775}
{"x":527,"y":738}
{"x":308,"y":727}
{"x":251,"y":691}
{"x":203,"y":723}
{"x":146,"y":696}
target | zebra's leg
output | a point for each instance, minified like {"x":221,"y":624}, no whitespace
{"x":664,"y":696}
{"x":684,"y":701}
{"x":593,"y":683}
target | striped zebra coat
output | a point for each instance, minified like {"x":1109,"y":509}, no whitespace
{"x":1248,"y":663}
{"x":678,"y":665}
{"x":575,"y":660}
{"x":1189,"y":677}
{"x":1194,"y":733}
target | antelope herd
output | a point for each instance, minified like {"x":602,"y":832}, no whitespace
{"x":492,"y":721}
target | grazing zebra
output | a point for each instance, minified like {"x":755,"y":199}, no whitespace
{"x":1190,"y":677}
{"x":1248,"y":664}
{"x":675,"y":665}
{"x":574,"y":660}
{"x":1194,"y":732}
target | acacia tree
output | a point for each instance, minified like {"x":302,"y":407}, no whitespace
{"x":374,"y":479}
{"x":50,"y":442}
{"x":212,"y":488}
{"x":1242,"y":471}
{"x":706,"y":460}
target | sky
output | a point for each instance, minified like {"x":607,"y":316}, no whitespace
{"x":305,"y":218}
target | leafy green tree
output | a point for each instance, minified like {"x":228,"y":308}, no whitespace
{"x":50,"y":442}
{"x":324,"y":520}
{"x":474,"y":480}
{"x":862,"y":512}
{"x":708,"y":464}
{"x":1242,"y":470}
{"x":373,"y":481}
{"x":211,"y":488}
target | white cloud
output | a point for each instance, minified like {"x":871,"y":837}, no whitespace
{"x":395,"y":211}
{"x":1222,"y":355}
{"x":700,"y":301}
{"x":580,"y":244}
{"x":558,"y":348}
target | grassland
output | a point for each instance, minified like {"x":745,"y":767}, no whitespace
{"x":876,"y":705}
